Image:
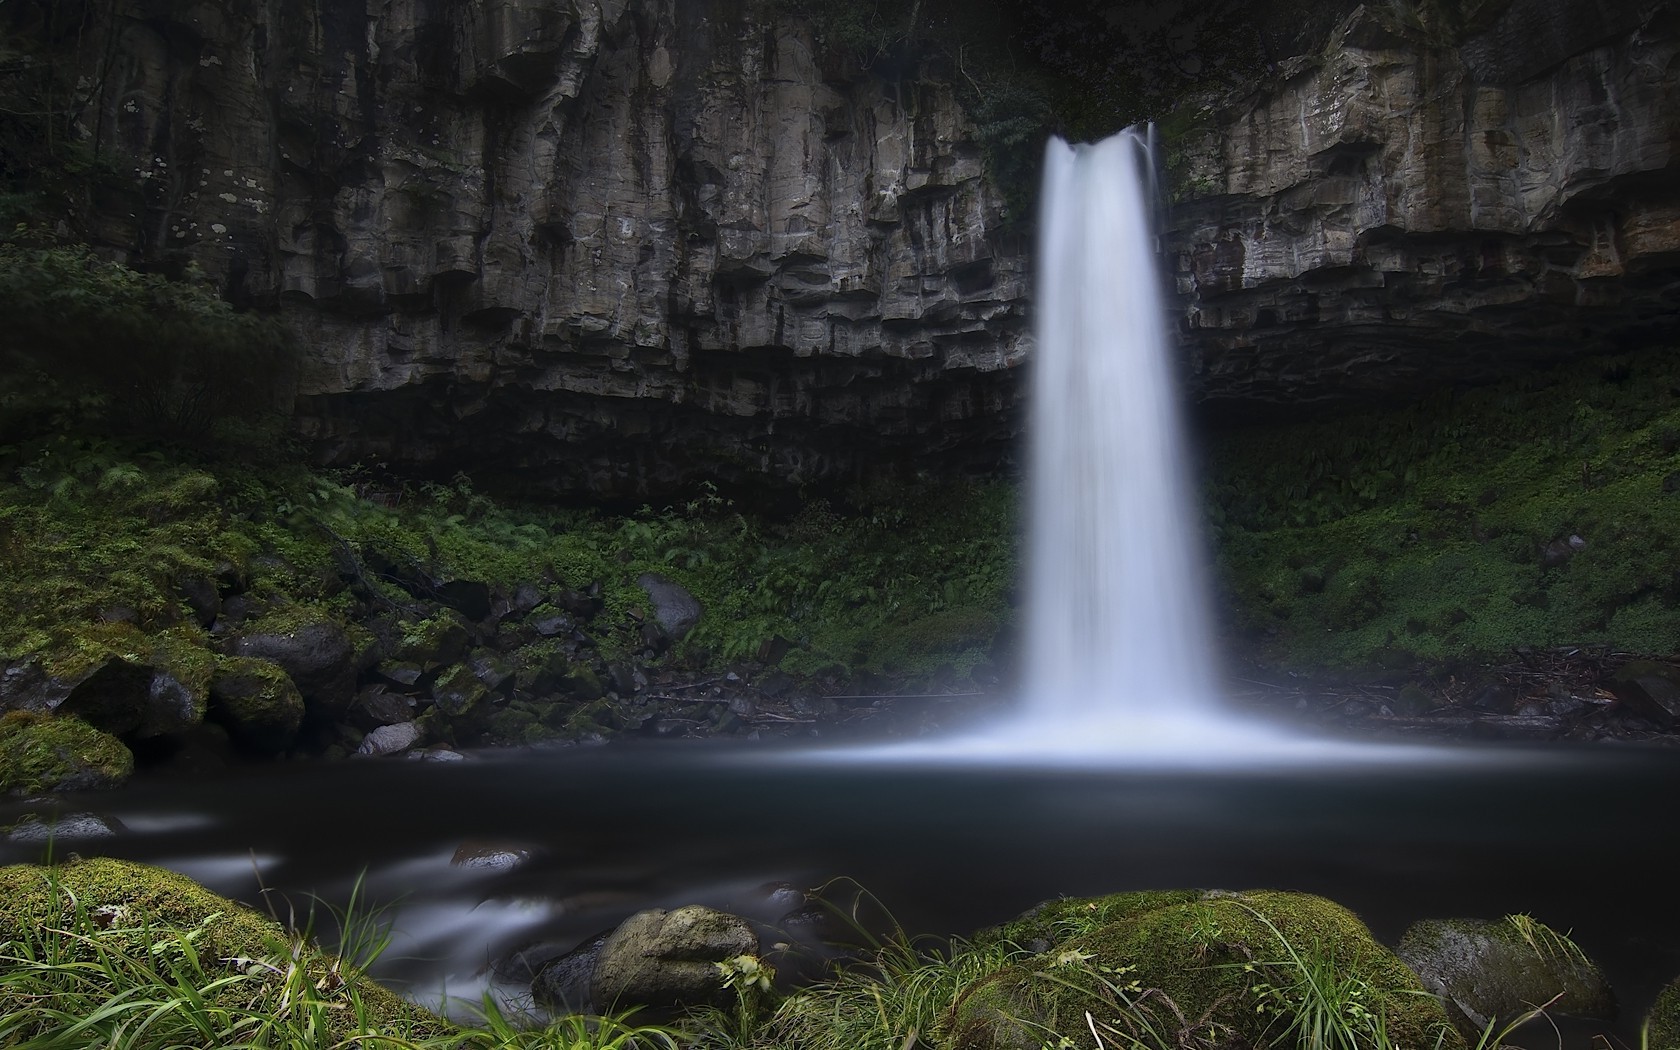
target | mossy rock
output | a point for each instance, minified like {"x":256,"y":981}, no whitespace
{"x":132,"y":909}
{"x":313,"y":648}
{"x":434,"y":642}
{"x":257,"y":702}
{"x":1488,"y":972}
{"x":47,"y":753}
{"x":457,"y":690}
{"x":1046,"y":925}
{"x":1214,"y":967}
{"x":1662,"y":1023}
{"x":127,"y":682}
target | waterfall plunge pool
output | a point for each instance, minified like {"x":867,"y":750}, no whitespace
{"x":1581,"y":838}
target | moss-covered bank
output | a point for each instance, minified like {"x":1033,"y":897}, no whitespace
{"x":1542,"y":511}
{"x":130,"y":572}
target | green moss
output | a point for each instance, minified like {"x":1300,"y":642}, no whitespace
{"x":1662,"y":1021}
{"x":136,"y":907}
{"x":257,"y":701}
{"x":79,"y":649}
{"x":904,"y":579}
{"x":1052,"y":922}
{"x":1442,"y":529}
{"x":1226,"y":964}
{"x":43,"y":753}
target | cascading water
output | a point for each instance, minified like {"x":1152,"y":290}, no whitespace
{"x":1117,"y":628}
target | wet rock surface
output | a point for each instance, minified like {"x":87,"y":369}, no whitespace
{"x":1490,"y":972}
{"x":1393,"y":213}
{"x":630,"y":245}
{"x":666,"y":959}
{"x":614,"y":247}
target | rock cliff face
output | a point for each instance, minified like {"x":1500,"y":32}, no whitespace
{"x":603,"y":246}
{"x":1391,"y":215}
{"x":619,"y":247}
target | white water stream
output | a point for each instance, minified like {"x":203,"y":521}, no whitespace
{"x":1116,"y":601}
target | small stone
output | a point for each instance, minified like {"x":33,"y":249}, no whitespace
{"x":489,"y":856}
{"x":390,"y":740}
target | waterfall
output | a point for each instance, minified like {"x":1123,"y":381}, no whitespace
{"x":1117,"y":609}
{"x":1120,"y":665}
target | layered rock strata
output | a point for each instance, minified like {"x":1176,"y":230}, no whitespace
{"x":619,"y":248}
{"x":602,"y":246}
{"x":1393,"y":215}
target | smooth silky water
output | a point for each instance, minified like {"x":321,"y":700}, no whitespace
{"x":1121,"y":770}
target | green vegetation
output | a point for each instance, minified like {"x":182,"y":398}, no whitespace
{"x":1541,"y":511}
{"x":38,"y":753}
{"x":1160,"y":970}
{"x":96,"y":347}
{"x":106,"y":953}
{"x":909,"y":583}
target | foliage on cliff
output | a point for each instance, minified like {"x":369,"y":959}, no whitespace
{"x":93,"y":345}
{"x":1542,"y":511}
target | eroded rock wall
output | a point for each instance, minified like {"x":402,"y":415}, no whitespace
{"x":621,"y":247}
{"x":611,"y":247}
{"x":1392,"y":215}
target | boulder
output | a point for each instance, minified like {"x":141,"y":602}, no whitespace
{"x":1662,"y":1021}
{"x":1229,"y":966}
{"x":63,"y":827}
{"x":676,"y":610}
{"x":257,"y":702}
{"x":316,"y":652}
{"x":1490,"y":972}
{"x":116,"y":678}
{"x":390,"y":740}
{"x":481,"y":855}
{"x":437,"y":641}
{"x":202,"y":598}
{"x":1649,"y":689}
{"x":56,"y":753}
{"x":377,"y":706}
{"x":565,"y":981}
{"x":668,"y":959}
{"x":470,"y":598}
{"x":457,"y":690}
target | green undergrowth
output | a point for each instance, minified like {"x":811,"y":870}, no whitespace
{"x":910,"y":581}
{"x":1543,"y":511}
{"x":109,"y":954}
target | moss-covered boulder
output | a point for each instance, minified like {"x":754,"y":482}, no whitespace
{"x":433,"y":642}
{"x":1047,"y":925}
{"x":116,"y":678}
{"x":312,"y":648}
{"x":116,"y":906}
{"x":257,"y":702}
{"x":1488,"y":972}
{"x":1226,"y":969}
{"x":1662,"y":1023}
{"x":457,"y":690}
{"x":47,"y":753}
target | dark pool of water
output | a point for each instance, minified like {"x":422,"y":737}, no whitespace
{"x":1584,"y":840}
